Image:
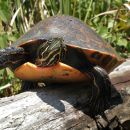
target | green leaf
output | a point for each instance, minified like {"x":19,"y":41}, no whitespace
{"x":103,"y":31}
{"x":1,"y":73}
{"x":122,"y":42}
{"x":3,"y":40}
{"x":12,"y":38}
{"x":110,"y":23}
{"x":4,"y":11}
{"x":128,"y":47}
{"x":118,"y":2}
{"x":10,"y":73}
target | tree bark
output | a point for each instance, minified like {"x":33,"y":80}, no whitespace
{"x":64,"y":107}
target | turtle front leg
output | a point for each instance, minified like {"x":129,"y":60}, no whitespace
{"x":101,"y":98}
{"x":28,"y":85}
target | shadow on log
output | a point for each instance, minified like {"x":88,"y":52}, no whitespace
{"x":64,"y":108}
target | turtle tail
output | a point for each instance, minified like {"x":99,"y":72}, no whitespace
{"x":11,"y":56}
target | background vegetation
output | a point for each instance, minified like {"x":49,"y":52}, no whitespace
{"x":109,"y":18}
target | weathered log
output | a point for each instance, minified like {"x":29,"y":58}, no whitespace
{"x":120,"y":77}
{"x":63,"y":108}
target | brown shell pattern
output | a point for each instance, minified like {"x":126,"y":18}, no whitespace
{"x":75,"y":33}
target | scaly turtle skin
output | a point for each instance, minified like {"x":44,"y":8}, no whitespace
{"x":63,"y":49}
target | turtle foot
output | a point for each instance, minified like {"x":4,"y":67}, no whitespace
{"x":27,"y":85}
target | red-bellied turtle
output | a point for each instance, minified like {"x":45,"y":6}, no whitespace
{"x":63,"y":49}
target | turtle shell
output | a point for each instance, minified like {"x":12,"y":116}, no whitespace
{"x":77,"y":35}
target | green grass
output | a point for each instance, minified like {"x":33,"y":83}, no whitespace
{"x":109,"y":18}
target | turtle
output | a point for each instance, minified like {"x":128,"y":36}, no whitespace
{"x":64,"y":49}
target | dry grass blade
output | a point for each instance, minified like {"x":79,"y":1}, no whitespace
{"x":105,"y":13}
{"x":127,"y":6}
{"x":14,"y":16}
{"x":5,"y":86}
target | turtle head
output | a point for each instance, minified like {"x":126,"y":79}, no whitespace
{"x":11,"y":56}
{"x":50,"y":52}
